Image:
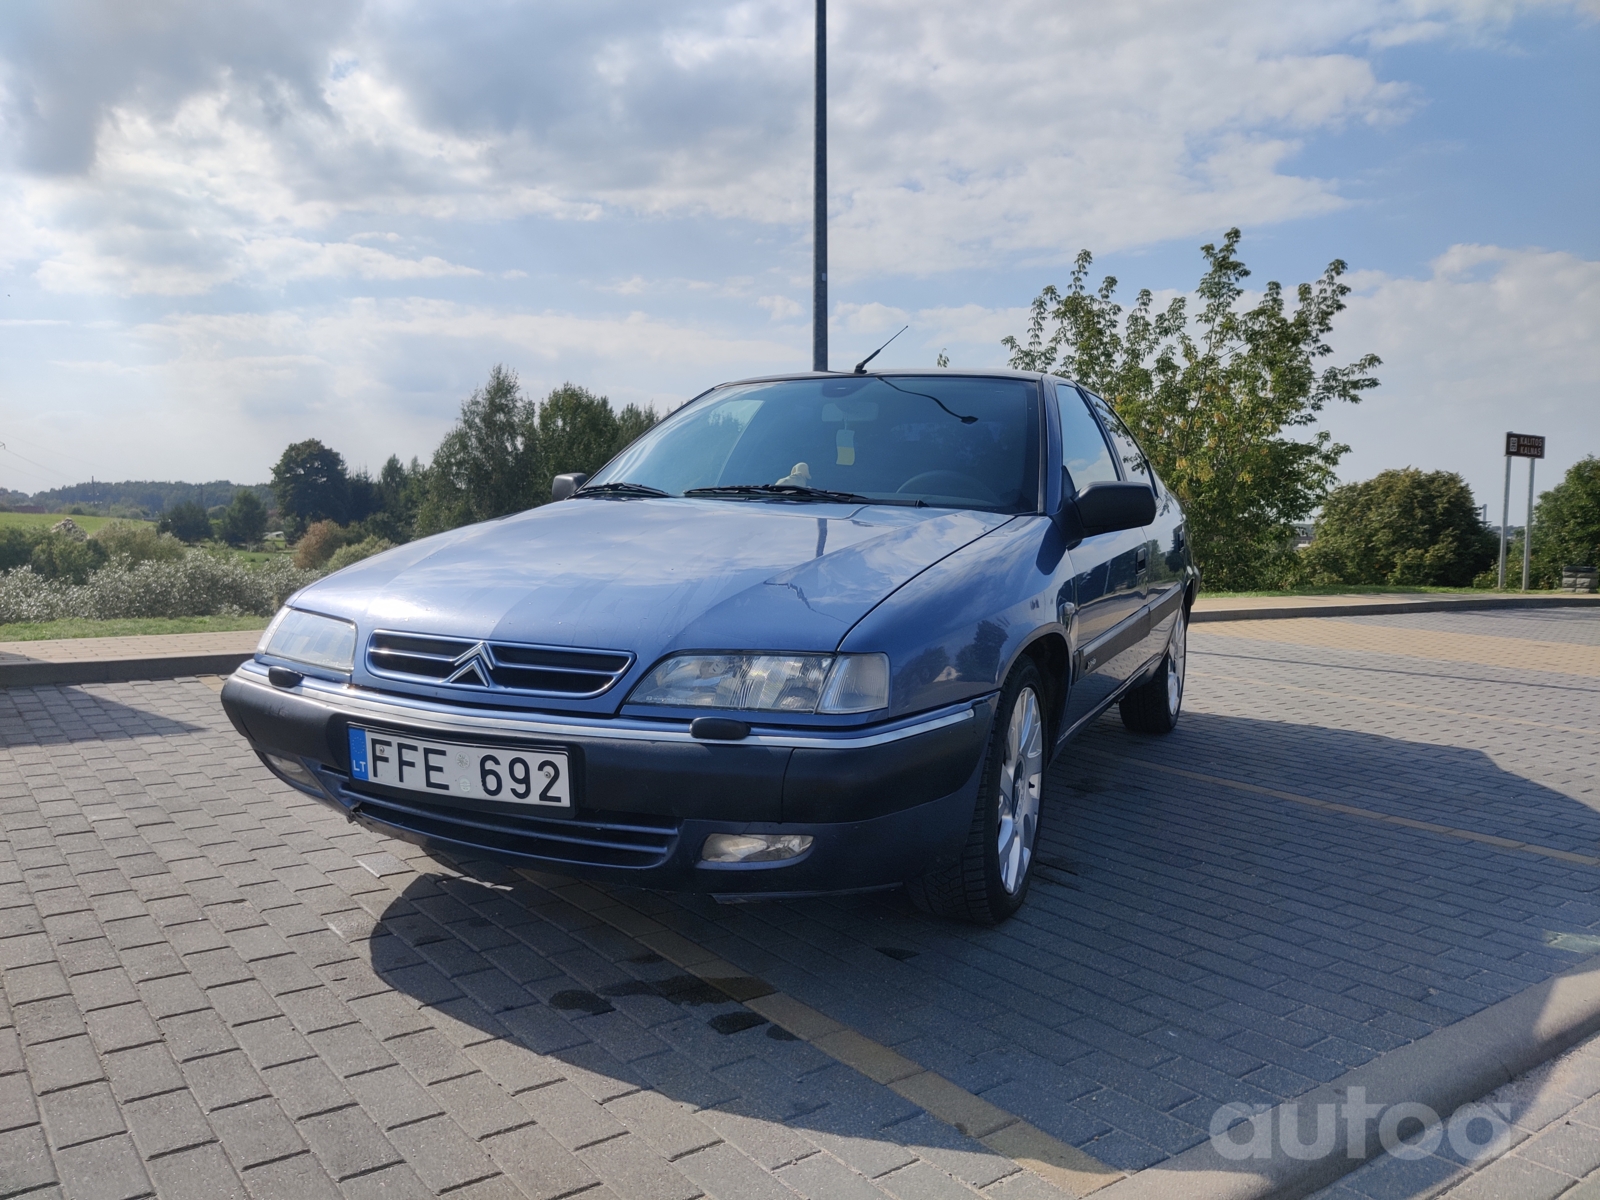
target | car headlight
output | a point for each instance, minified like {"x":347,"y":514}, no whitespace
{"x":799,"y":683}
{"x":310,"y":638}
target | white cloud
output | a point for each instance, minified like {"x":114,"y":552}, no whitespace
{"x":780,"y":308}
{"x":1492,"y":340}
{"x":155,"y":152}
{"x":323,"y":186}
{"x":370,"y":377}
{"x":867,"y":318}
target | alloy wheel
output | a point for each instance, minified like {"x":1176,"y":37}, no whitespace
{"x":1021,"y":780}
{"x":1177,"y":651}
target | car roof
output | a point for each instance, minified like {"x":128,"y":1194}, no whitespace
{"x":898,"y":372}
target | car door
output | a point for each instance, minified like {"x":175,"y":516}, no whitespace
{"x":1162,"y":556}
{"x":1109,"y":624}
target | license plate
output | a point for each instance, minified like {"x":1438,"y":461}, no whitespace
{"x":536,"y":778}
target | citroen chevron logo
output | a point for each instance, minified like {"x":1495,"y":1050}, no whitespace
{"x":473,"y":666}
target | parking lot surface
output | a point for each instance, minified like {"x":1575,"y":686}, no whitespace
{"x":1363,"y":829}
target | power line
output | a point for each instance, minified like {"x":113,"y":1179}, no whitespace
{"x":26,"y":459}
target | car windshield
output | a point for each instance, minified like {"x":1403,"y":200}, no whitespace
{"x":949,"y":442}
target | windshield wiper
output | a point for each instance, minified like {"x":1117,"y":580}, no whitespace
{"x":618,"y":489}
{"x":793,"y":491}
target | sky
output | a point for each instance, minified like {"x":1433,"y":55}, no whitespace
{"x":224,"y":228}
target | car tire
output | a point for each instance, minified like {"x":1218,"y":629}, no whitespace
{"x":990,"y":880}
{"x":1153,"y":706}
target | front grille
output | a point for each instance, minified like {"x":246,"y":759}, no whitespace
{"x":495,"y":666}
{"x":640,"y":842}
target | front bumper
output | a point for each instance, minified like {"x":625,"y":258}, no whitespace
{"x":882,"y":805}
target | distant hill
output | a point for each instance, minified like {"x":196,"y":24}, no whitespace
{"x":136,"y":497}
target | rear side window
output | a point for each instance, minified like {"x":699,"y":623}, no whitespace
{"x":1134,"y":467}
{"x":1083,"y":447}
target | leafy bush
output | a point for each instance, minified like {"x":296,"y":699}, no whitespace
{"x":356,"y":551}
{"x":16,"y":546}
{"x":198,"y":585}
{"x":319,"y":543}
{"x":60,"y":555}
{"x":138,"y":541}
{"x":1566,"y":524}
{"x":1401,"y":527}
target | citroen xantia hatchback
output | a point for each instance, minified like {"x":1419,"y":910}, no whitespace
{"x":811,"y":633}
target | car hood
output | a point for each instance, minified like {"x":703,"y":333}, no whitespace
{"x":653,"y":576}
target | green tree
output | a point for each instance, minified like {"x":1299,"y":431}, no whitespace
{"x":504,"y":451}
{"x":1401,"y":527}
{"x":484,"y":466}
{"x":311,"y":484}
{"x":578,"y":431}
{"x":1210,"y":400}
{"x":245,"y":520}
{"x":188,"y":522}
{"x":397,"y":493}
{"x":1566,"y":524}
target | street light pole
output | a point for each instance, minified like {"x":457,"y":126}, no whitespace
{"x":819,"y":211}
{"x":1505,"y":520}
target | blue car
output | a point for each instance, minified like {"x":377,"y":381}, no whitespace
{"x":811,"y":633}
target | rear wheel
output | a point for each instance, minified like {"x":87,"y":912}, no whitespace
{"x":991,"y":879}
{"x":1153,"y":706}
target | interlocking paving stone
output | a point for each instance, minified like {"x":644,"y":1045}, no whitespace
{"x":1186,"y":944}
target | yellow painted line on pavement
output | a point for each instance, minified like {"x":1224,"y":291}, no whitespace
{"x":1527,"y":654}
{"x":1498,"y":718}
{"x":1057,"y":1163}
{"x":1351,"y":810}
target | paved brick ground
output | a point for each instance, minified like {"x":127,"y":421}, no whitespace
{"x":1553,"y":1131}
{"x":214,"y":987}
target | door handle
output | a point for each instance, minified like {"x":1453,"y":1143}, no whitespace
{"x":1142,"y":559}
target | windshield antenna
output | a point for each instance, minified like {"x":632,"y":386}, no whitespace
{"x":861,"y":367}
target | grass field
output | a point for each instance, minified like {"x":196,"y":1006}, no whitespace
{"x":33,"y":631}
{"x":45,"y":520}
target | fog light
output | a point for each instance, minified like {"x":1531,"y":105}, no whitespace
{"x":754,"y":847}
{"x":295,"y":771}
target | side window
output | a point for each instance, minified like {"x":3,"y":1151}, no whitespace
{"x":1134,"y":467}
{"x":1083,"y":447}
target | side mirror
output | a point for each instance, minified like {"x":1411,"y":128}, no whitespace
{"x":1109,"y":507}
{"x":562,"y":486}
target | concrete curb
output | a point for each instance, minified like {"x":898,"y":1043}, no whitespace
{"x":1356,"y":608}
{"x":1452,"y":1066}
{"x":118,"y":670}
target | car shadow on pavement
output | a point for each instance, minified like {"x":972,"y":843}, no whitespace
{"x":1193,"y":939}
{"x":62,"y":714}
{"x":606,"y":1020}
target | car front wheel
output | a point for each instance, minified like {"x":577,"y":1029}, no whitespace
{"x":991,"y":879}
